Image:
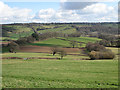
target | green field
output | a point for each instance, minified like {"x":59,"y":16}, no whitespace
{"x":67,"y":73}
{"x":84,"y":39}
{"x":59,"y":74}
{"x":17,"y":31}
{"x":16,"y":36}
{"x":63,"y":43}
{"x":52,"y":42}
{"x":19,"y":35}
{"x":64,"y":29}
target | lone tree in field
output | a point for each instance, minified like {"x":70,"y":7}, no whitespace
{"x":62,"y":53}
{"x":73,"y":43}
{"x":54,"y":50}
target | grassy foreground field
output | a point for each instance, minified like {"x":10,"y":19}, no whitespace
{"x":66,"y":73}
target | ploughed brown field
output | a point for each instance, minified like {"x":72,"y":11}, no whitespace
{"x":5,"y":43}
{"x":45,"y":49}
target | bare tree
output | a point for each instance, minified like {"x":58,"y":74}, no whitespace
{"x":54,"y":50}
{"x":73,"y":43}
{"x":62,"y":53}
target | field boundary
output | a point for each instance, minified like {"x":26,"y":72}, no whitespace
{"x":28,"y":58}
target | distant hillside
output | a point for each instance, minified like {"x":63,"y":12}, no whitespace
{"x":15,"y":31}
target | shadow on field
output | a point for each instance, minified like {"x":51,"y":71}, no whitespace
{"x":42,"y":44}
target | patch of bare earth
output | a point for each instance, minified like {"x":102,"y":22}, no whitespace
{"x":4,"y":43}
{"x":45,"y":49}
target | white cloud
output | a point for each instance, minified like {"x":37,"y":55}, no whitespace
{"x":46,"y":13}
{"x":8,"y":14}
{"x":51,"y":15}
{"x":100,"y":12}
{"x":88,"y":13}
{"x":98,"y":8}
{"x":97,"y":12}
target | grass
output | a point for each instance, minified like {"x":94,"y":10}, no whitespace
{"x":62,"y":43}
{"x":17,"y":28}
{"x":18,"y":31}
{"x":70,"y":72}
{"x":22,"y":34}
{"x":59,"y":74}
{"x":47,"y":55}
{"x":52,"y":42}
{"x":9,"y":38}
{"x":64,"y":29}
{"x":14,"y":36}
{"x":84,"y":39}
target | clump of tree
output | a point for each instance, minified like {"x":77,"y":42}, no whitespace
{"x":41,"y":28}
{"x":118,"y":42}
{"x":25,"y":40}
{"x":21,"y":41}
{"x":30,"y":39}
{"x":97,"y":51}
{"x":104,"y":42}
{"x":13,"y":47}
{"x":110,"y":41}
{"x":36,"y":36}
{"x":4,"y":33}
{"x":94,"y":47}
{"x":101,"y":54}
{"x":76,"y":34}
{"x":73,"y":44}
{"x":62,"y":53}
{"x":43,"y":36}
{"x":57,"y":50}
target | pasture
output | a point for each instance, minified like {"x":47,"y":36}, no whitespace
{"x":66,"y":73}
{"x":70,"y":72}
{"x":65,"y":42}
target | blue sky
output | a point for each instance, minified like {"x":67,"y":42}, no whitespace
{"x":58,"y":11}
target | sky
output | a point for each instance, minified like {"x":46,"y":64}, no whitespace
{"x":58,"y":11}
